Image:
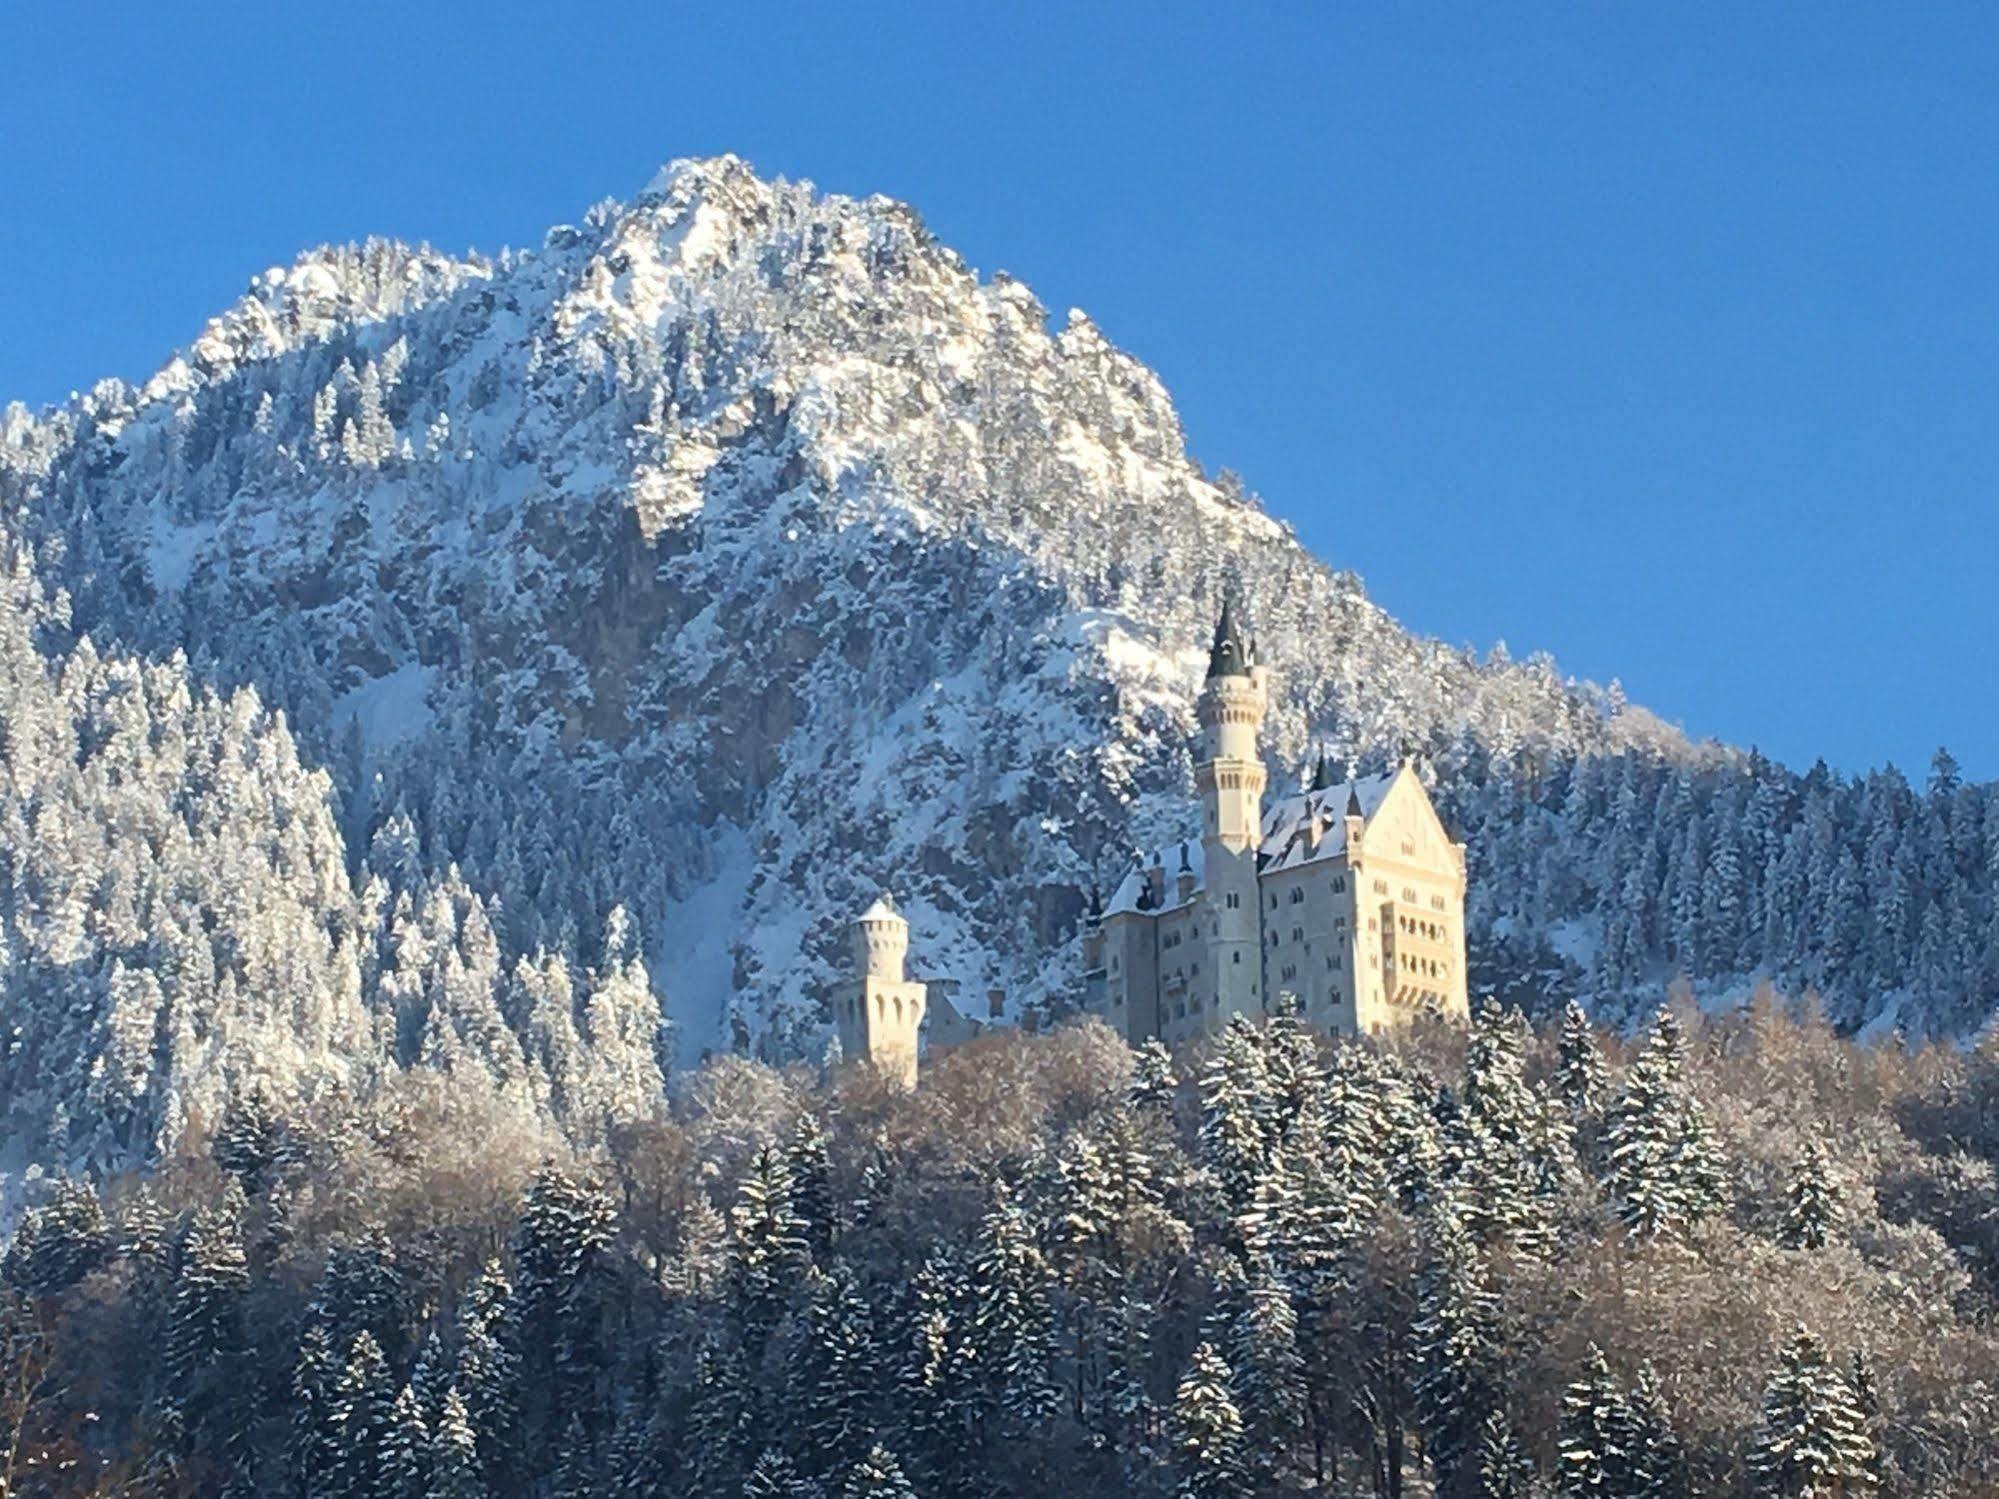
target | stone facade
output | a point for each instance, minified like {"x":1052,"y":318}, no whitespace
{"x":1346,"y":899}
{"x":880,"y":1012}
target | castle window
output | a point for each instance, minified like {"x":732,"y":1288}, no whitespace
{"x":1273,"y":900}
{"x":1339,"y":884}
{"x":1290,"y":972}
{"x":1237,"y":955}
{"x":1297,"y":934}
{"x":1297,"y":894}
{"x":1408,"y":846}
{"x":1234,"y":901}
{"x":1437,"y":901}
{"x":1332,"y":962}
{"x":1381,"y":887}
{"x":1409,"y":895}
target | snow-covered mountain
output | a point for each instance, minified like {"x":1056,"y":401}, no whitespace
{"x":735,"y":554}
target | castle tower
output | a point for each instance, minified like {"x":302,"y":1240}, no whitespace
{"x":1231,"y":780}
{"x":879,"y":1012}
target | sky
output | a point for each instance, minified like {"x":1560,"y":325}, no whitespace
{"x":1662,"y":338}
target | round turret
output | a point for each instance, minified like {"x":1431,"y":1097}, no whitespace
{"x":881,"y":941}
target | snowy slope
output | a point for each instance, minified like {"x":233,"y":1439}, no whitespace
{"x":736,"y":553}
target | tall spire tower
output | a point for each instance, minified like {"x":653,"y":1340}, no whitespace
{"x":1231,"y":779}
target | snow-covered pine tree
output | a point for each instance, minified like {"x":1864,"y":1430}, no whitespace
{"x":1811,"y":1201}
{"x":1504,"y":1469}
{"x":1813,"y":1443}
{"x":454,"y":1452}
{"x":1593,"y":1435}
{"x":1236,"y":1114}
{"x":488,"y":1374}
{"x":207,"y":1341}
{"x":1011,"y":1331}
{"x":1207,"y":1432}
{"x":58,"y":1242}
{"x":564,"y":1291}
{"x":1154,"y":1080}
{"x":774,"y":1477}
{"x":812,"y":1187}
{"x":1663,"y":1172}
{"x":1458,"y":1381}
{"x":402,"y":1466}
{"x":1581,"y":1078}
{"x":359,"y":1420}
{"x":768,"y":1252}
{"x":876,"y":1476}
{"x":1268,"y":1375}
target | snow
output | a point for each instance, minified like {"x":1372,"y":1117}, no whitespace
{"x":690,"y":958}
{"x":174,"y":550}
{"x":391,"y":708}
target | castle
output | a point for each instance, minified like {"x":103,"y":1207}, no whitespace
{"x":1345,"y":900}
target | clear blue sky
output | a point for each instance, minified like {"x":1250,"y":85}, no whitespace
{"x":1664,"y":337}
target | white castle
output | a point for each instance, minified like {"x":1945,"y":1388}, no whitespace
{"x":1345,"y":901}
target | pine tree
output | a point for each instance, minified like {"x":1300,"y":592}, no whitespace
{"x":1593,"y":1436}
{"x":1236,"y":1110}
{"x":1153,"y":1080}
{"x":876,"y":1476}
{"x":207,"y":1343}
{"x":1811,"y":1201}
{"x":562,"y":1251}
{"x":1655,"y":1465}
{"x":1010,"y":1326}
{"x":1814,"y":1442}
{"x":1268,"y":1383}
{"x":454,"y":1452}
{"x":1504,"y":1469}
{"x":60,"y":1242}
{"x":402,"y":1470}
{"x":1496,"y":1136}
{"x":359,"y":1420}
{"x":1456,"y":1344}
{"x":812,"y":1188}
{"x":488,"y":1375}
{"x":774,"y":1477}
{"x":1207,"y":1432}
{"x":834,"y":1374}
{"x":767,"y":1245}
{"x":1663,"y":1171}
{"x":314,"y":1442}
{"x":1580,"y":1076}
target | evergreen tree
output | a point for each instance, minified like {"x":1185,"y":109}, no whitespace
{"x":812,"y":1188}
{"x":876,"y":1476}
{"x":1010,"y":1326}
{"x":1236,"y":1114}
{"x":1456,"y":1344}
{"x":768,"y":1251}
{"x":488,"y":1376}
{"x":207,"y":1342}
{"x":1811,"y":1201}
{"x":1814,"y":1442}
{"x":834,"y":1374}
{"x":402,"y":1470}
{"x":1656,"y":1467}
{"x":1593,"y":1456}
{"x":60,"y":1242}
{"x":313,"y":1449}
{"x":1504,"y":1470}
{"x":1207,"y":1432}
{"x":1580,"y":1076}
{"x":1664,"y":1174}
{"x":1153,"y":1079}
{"x":774,"y":1477}
{"x":562,"y":1254}
{"x":359,"y":1419}
{"x":1268,"y":1383}
{"x":454,"y":1452}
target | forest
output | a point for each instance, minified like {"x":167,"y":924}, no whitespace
{"x":1728,"y":1254}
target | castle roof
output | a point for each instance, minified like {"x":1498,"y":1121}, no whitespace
{"x":1233,"y":652}
{"x":882,"y":910}
{"x":1286,"y":844}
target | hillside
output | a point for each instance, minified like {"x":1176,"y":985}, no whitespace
{"x":741,"y":551}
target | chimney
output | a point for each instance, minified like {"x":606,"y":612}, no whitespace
{"x":995,"y":1003}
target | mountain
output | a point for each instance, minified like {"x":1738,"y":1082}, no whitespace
{"x":741,"y":551}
